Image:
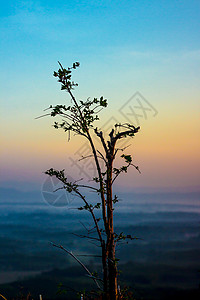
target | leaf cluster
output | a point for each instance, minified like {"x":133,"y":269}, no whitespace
{"x":78,"y":118}
{"x":64,"y":76}
{"x":60,"y":175}
{"x":122,"y":236}
{"x":90,"y":206}
{"x":128,"y":160}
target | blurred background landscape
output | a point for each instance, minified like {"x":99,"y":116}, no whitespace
{"x":164,"y":262}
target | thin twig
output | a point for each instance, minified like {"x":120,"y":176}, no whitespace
{"x":84,"y":267}
{"x":42,"y":116}
{"x":91,"y":255}
{"x":86,"y":236}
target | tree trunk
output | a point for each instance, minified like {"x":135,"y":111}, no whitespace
{"x":112,"y":271}
{"x":112,"y":268}
{"x":105,"y":273}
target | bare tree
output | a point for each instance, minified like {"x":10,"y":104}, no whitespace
{"x":79,"y":118}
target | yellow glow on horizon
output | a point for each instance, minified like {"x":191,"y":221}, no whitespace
{"x":166,"y":149}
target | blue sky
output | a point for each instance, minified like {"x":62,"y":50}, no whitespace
{"x":98,"y":33}
{"x":123,"y":47}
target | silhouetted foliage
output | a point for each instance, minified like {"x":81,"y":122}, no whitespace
{"x":79,"y":118}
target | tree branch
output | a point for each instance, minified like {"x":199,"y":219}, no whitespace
{"x":84,"y":267}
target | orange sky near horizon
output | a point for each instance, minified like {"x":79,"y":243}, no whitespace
{"x":166,"y":150}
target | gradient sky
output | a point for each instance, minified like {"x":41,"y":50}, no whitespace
{"x":123,"y":46}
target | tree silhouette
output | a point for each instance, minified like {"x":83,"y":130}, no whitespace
{"x":79,"y":118}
